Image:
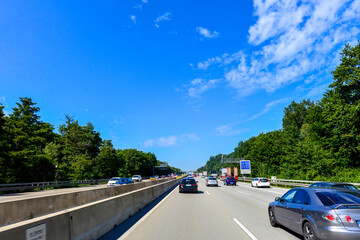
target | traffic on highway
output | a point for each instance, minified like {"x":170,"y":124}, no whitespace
{"x":201,"y":210}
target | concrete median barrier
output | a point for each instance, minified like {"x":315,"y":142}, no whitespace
{"x":20,"y":210}
{"x":89,"y":221}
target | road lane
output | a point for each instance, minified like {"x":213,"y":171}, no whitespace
{"x":249,"y":206}
{"x":188,"y":216}
{"x":224,"y":212}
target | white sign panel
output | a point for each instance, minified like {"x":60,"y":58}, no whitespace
{"x":36,"y":233}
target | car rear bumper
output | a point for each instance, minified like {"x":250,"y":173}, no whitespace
{"x":336,"y":233}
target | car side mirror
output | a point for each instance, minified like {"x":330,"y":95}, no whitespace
{"x":278,"y":199}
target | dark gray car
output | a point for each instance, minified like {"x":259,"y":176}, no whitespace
{"x":318,"y":213}
{"x":334,"y":185}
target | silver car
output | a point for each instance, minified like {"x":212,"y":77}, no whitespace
{"x":211,"y":181}
{"x":318,"y":213}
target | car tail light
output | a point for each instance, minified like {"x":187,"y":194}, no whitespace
{"x":259,"y":181}
{"x":195,"y":184}
{"x":182,"y":184}
{"x":329,"y":217}
{"x":347,"y":218}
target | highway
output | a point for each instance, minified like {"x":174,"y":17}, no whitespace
{"x":224,"y":212}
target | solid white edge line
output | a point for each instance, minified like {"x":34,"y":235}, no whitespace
{"x":208,"y":193}
{"x":245,"y":229}
{"x":128,"y":232}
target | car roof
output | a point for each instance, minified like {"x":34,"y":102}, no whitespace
{"x":334,"y":183}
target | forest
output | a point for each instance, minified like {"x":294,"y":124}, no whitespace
{"x":319,"y":140}
{"x":31,"y":150}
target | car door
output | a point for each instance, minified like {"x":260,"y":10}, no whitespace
{"x":281,"y":210}
{"x":297,"y":208}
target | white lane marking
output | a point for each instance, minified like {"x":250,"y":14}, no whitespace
{"x":128,"y":232}
{"x":243,"y":193}
{"x":207,"y":193}
{"x":245,"y":229}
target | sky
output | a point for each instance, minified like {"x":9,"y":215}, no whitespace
{"x":185,"y":80}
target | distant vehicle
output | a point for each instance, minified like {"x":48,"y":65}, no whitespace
{"x":123,"y":181}
{"x":334,"y":185}
{"x":318,"y":213}
{"x":223,"y":173}
{"x":204,"y":173}
{"x":194,"y":175}
{"x":188,"y":185}
{"x":260,"y":182}
{"x":137,"y":178}
{"x":230,"y":181}
{"x":213,"y":173}
{"x":202,"y":176}
{"x":112,"y":181}
{"x":211,"y":181}
{"x":156,"y":176}
{"x":162,"y":176}
{"x":152,"y":178}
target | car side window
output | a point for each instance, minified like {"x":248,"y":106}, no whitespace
{"x":289,"y":196}
{"x":302,"y":197}
{"x":315,"y":185}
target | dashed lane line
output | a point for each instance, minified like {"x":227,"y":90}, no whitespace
{"x":245,"y":229}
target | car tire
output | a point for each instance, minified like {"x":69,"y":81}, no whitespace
{"x":257,"y":186}
{"x":308,"y":232}
{"x":272,"y":218}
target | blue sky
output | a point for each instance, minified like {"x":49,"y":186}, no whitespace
{"x":182,"y":79}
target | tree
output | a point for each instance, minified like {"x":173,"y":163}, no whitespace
{"x":29,"y":136}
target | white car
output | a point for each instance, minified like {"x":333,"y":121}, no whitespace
{"x":137,"y":178}
{"x":112,"y":181}
{"x":211,"y":181}
{"x":260,"y":182}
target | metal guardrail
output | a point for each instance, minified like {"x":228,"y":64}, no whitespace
{"x":34,"y":185}
{"x":290,"y":182}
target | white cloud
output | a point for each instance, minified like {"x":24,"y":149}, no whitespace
{"x":222,"y":60}
{"x":268,"y":107}
{"x":133,"y":18}
{"x":227,"y":129}
{"x":207,"y":33}
{"x":198,"y":86}
{"x":292,"y":39}
{"x":161,"y":18}
{"x":170,"y":141}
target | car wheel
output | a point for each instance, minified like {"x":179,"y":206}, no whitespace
{"x":257,"y":186}
{"x":272,"y":218}
{"x":308,"y":232}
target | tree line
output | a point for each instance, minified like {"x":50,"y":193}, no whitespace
{"x":31,"y":151}
{"x":319,"y":140}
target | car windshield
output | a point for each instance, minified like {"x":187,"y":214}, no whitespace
{"x":264,"y":180}
{"x":212,"y":178}
{"x":114,"y":179}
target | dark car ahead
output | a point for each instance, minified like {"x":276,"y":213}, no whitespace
{"x":318,"y":213}
{"x":188,"y":185}
{"x":334,"y":185}
{"x":230,"y":181}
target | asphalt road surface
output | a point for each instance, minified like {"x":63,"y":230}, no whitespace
{"x":224,"y":212}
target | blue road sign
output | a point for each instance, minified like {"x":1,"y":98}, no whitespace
{"x":245,"y":167}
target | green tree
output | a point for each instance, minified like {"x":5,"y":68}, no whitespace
{"x":29,"y":137}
